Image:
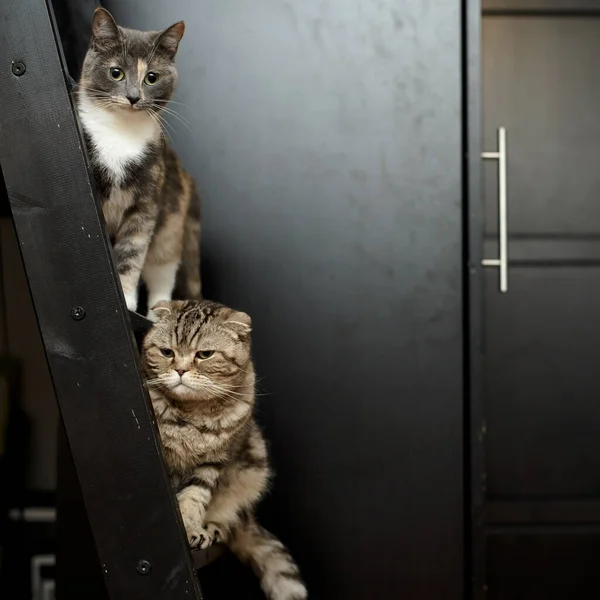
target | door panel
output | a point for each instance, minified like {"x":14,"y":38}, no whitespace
{"x":542,"y":383}
{"x":542,"y":82}
{"x":543,"y":566}
{"x":541,"y":379}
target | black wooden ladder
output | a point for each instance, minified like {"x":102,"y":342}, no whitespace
{"x":111,"y":472}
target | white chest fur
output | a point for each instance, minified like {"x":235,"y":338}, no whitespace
{"x":118,"y":136}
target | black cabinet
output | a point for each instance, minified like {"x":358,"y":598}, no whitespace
{"x":539,"y":377}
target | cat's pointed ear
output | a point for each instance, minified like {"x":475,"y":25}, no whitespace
{"x":169,"y":39}
{"x":240,"y":322}
{"x":104,"y":28}
{"x":162,"y":309}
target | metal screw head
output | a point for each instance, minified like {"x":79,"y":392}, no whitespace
{"x":143,"y":567}
{"x":77,"y":312}
{"x":18,"y":68}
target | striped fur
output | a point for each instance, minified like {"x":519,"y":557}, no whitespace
{"x":150,"y":204}
{"x":198,"y":365}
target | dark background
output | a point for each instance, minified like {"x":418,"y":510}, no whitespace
{"x":326,"y":141}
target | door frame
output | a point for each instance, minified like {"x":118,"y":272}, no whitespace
{"x":475,"y":566}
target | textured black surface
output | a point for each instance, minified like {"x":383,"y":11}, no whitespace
{"x":326,"y":141}
{"x":94,"y":363}
{"x":4,"y":205}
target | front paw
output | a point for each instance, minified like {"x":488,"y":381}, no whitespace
{"x":197,"y":536}
{"x":131,"y":300}
{"x":217,"y":532}
{"x":200,"y":538}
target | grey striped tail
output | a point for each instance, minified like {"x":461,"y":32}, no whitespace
{"x":270,"y":560}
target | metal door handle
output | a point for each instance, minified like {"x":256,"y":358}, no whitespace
{"x":502,"y":261}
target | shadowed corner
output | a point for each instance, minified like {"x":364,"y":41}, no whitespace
{"x":140,"y":325}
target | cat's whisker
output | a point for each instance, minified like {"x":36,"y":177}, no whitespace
{"x":156,"y":118}
{"x":228,"y":390}
{"x":166,"y":104}
{"x":162,"y":119}
{"x":167,"y":101}
{"x":154,"y":383}
{"x":223,"y":392}
{"x":158,"y":121}
{"x":85,"y":88}
{"x":176,"y":115}
{"x":185,"y":122}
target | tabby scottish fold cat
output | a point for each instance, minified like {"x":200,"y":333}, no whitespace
{"x":149,"y":202}
{"x":199,"y":370}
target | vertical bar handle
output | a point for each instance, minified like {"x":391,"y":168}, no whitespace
{"x":502,"y":261}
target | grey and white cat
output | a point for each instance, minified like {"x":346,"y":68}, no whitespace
{"x":150,"y":204}
{"x":198,"y":365}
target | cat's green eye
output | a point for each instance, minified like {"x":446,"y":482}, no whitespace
{"x":116,"y":73}
{"x":204,"y":354}
{"x":167,"y":352}
{"x":151,"y":78}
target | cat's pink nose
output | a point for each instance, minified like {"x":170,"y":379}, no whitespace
{"x":181,"y":372}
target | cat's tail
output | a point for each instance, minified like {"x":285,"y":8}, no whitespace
{"x":270,"y":560}
{"x":189,"y":286}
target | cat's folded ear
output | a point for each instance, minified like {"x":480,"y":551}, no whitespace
{"x":240,"y":322}
{"x":104,"y":29}
{"x":162,"y":309}
{"x":169,"y":39}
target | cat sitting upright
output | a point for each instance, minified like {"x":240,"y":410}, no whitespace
{"x":198,"y":364}
{"x":150,"y":204}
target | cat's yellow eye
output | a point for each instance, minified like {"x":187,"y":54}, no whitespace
{"x":116,"y":73}
{"x":167,"y":352}
{"x":151,"y":78}
{"x":204,"y":354}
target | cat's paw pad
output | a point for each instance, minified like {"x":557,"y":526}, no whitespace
{"x":216,"y":532}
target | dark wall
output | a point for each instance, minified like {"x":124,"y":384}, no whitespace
{"x":74,"y":21}
{"x":20,"y":338}
{"x":326,"y":139}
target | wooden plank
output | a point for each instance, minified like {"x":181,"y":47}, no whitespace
{"x":82,"y":317}
{"x":78,"y":573}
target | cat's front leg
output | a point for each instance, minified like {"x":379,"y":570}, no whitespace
{"x":162,"y":263}
{"x":131,"y":247}
{"x":197,"y":535}
{"x":194,"y":500}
